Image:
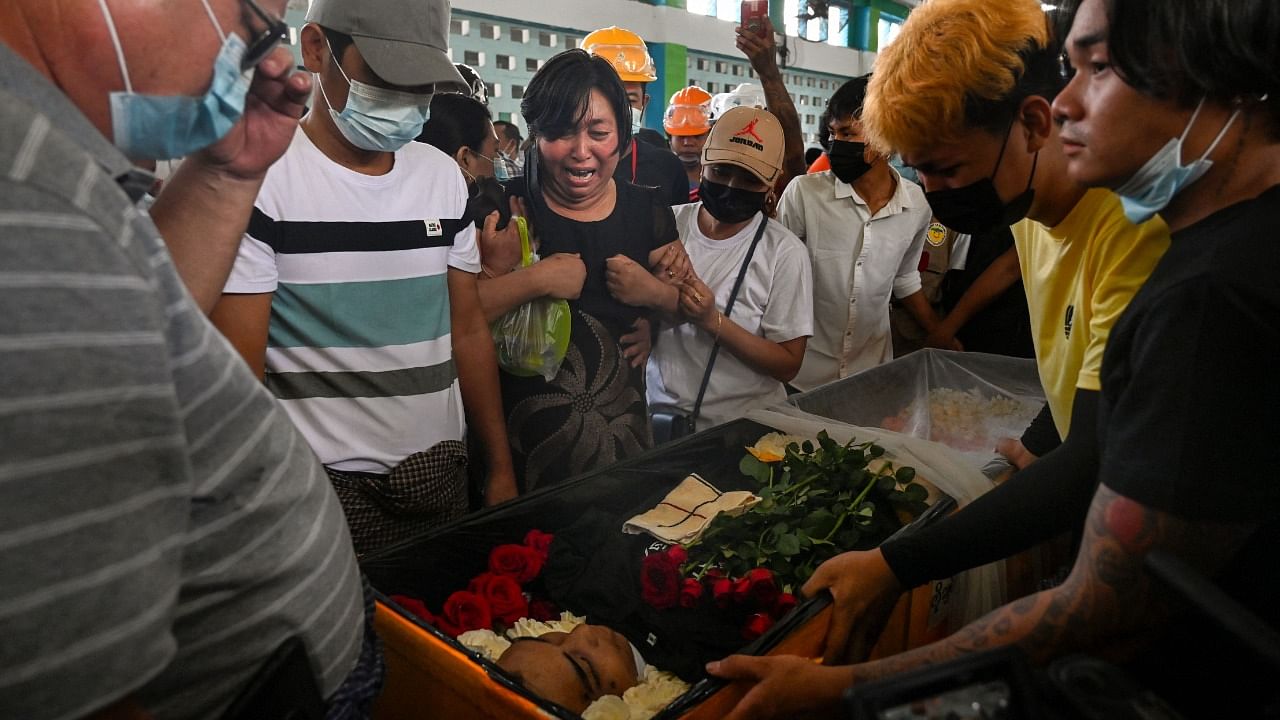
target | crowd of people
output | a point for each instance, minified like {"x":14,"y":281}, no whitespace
{"x":217,"y":397}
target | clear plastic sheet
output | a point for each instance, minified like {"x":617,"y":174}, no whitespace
{"x":966,"y":401}
{"x":972,"y":594}
{"x":947,"y":409}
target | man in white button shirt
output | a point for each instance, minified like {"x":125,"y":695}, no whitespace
{"x":865,"y":227}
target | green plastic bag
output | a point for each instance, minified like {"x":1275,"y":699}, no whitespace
{"x":532,"y":339}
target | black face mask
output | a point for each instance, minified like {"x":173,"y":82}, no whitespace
{"x":729,"y":204}
{"x":976,"y":207}
{"x":847,"y":162}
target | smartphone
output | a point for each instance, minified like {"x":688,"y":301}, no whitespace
{"x":753,"y":14}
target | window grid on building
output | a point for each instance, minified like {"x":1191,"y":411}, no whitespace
{"x":516,"y":51}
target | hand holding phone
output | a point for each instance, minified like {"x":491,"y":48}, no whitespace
{"x":754,"y":13}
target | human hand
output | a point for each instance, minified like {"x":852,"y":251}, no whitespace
{"x":499,"y":249}
{"x":629,"y":282}
{"x":944,"y":339}
{"x":637,"y":343}
{"x":673,"y":265}
{"x":499,"y":488}
{"x":783,"y":686}
{"x":1015,"y":452}
{"x":760,"y":51}
{"x":865,"y":590}
{"x":277,"y":98}
{"x":561,"y":275}
{"x":698,"y":303}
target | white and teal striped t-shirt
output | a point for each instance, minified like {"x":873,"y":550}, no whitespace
{"x":359,"y":347}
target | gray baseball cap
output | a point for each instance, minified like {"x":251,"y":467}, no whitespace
{"x":403,"y":41}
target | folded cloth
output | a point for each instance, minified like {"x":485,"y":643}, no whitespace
{"x":687,"y":510}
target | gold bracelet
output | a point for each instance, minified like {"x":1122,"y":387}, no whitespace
{"x":719,"y":324}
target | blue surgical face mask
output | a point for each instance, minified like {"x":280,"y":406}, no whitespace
{"x":501,"y":170}
{"x":637,"y":120}
{"x":163,"y":127}
{"x":504,"y":170}
{"x":378,"y":119}
{"x":1164,"y":176}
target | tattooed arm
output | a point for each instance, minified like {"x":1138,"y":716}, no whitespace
{"x":1108,"y":599}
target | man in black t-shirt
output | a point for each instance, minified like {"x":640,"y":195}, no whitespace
{"x":647,"y":162}
{"x":653,"y":166}
{"x":1180,"y":117}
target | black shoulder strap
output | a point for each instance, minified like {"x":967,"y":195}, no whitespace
{"x":728,"y":308}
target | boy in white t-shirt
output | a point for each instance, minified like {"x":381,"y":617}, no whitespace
{"x":354,"y":293}
{"x":763,"y":336}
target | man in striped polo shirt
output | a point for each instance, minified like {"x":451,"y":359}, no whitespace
{"x":163,"y":526}
{"x":354,"y":293}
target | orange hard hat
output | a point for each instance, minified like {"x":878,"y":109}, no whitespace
{"x":688,"y":112}
{"x":625,"y":51}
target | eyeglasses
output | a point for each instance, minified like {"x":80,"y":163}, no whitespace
{"x":261,"y":46}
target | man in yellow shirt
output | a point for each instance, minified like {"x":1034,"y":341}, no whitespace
{"x":1080,"y":273}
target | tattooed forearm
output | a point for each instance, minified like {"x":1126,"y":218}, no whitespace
{"x":1108,"y":597}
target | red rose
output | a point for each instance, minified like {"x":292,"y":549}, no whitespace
{"x":521,"y":562}
{"x":742,"y":590}
{"x":763,"y":588}
{"x":678,"y":554}
{"x":756,"y":626}
{"x":543,"y":610}
{"x":539,"y":542}
{"x":503,"y":594}
{"x":467,"y":611}
{"x":690,"y":593}
{"x":786,"y":601}
{"x":722,"y":591}
{"x":660,"y":581}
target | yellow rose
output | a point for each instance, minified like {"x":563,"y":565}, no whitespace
{"x":773,"y":447}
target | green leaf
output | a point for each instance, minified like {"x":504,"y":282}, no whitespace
{"x":875,"y":451}
{"x":906,"y":475}
{"x":915,"y":492}
{"x":788,"y":545}
{"x":807,"y":447}
{"x":754,"y":469}
{"x":826,"y":443}
{"x":886,"y":484}
{"x":816,"y":520}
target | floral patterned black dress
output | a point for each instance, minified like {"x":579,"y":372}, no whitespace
{"x":593,"y":412}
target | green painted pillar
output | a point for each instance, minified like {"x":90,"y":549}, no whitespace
{"x":860,"y":28}
{"x":671,"y":60}
{"x":777,"y":16}
{"x":873,"y":30}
